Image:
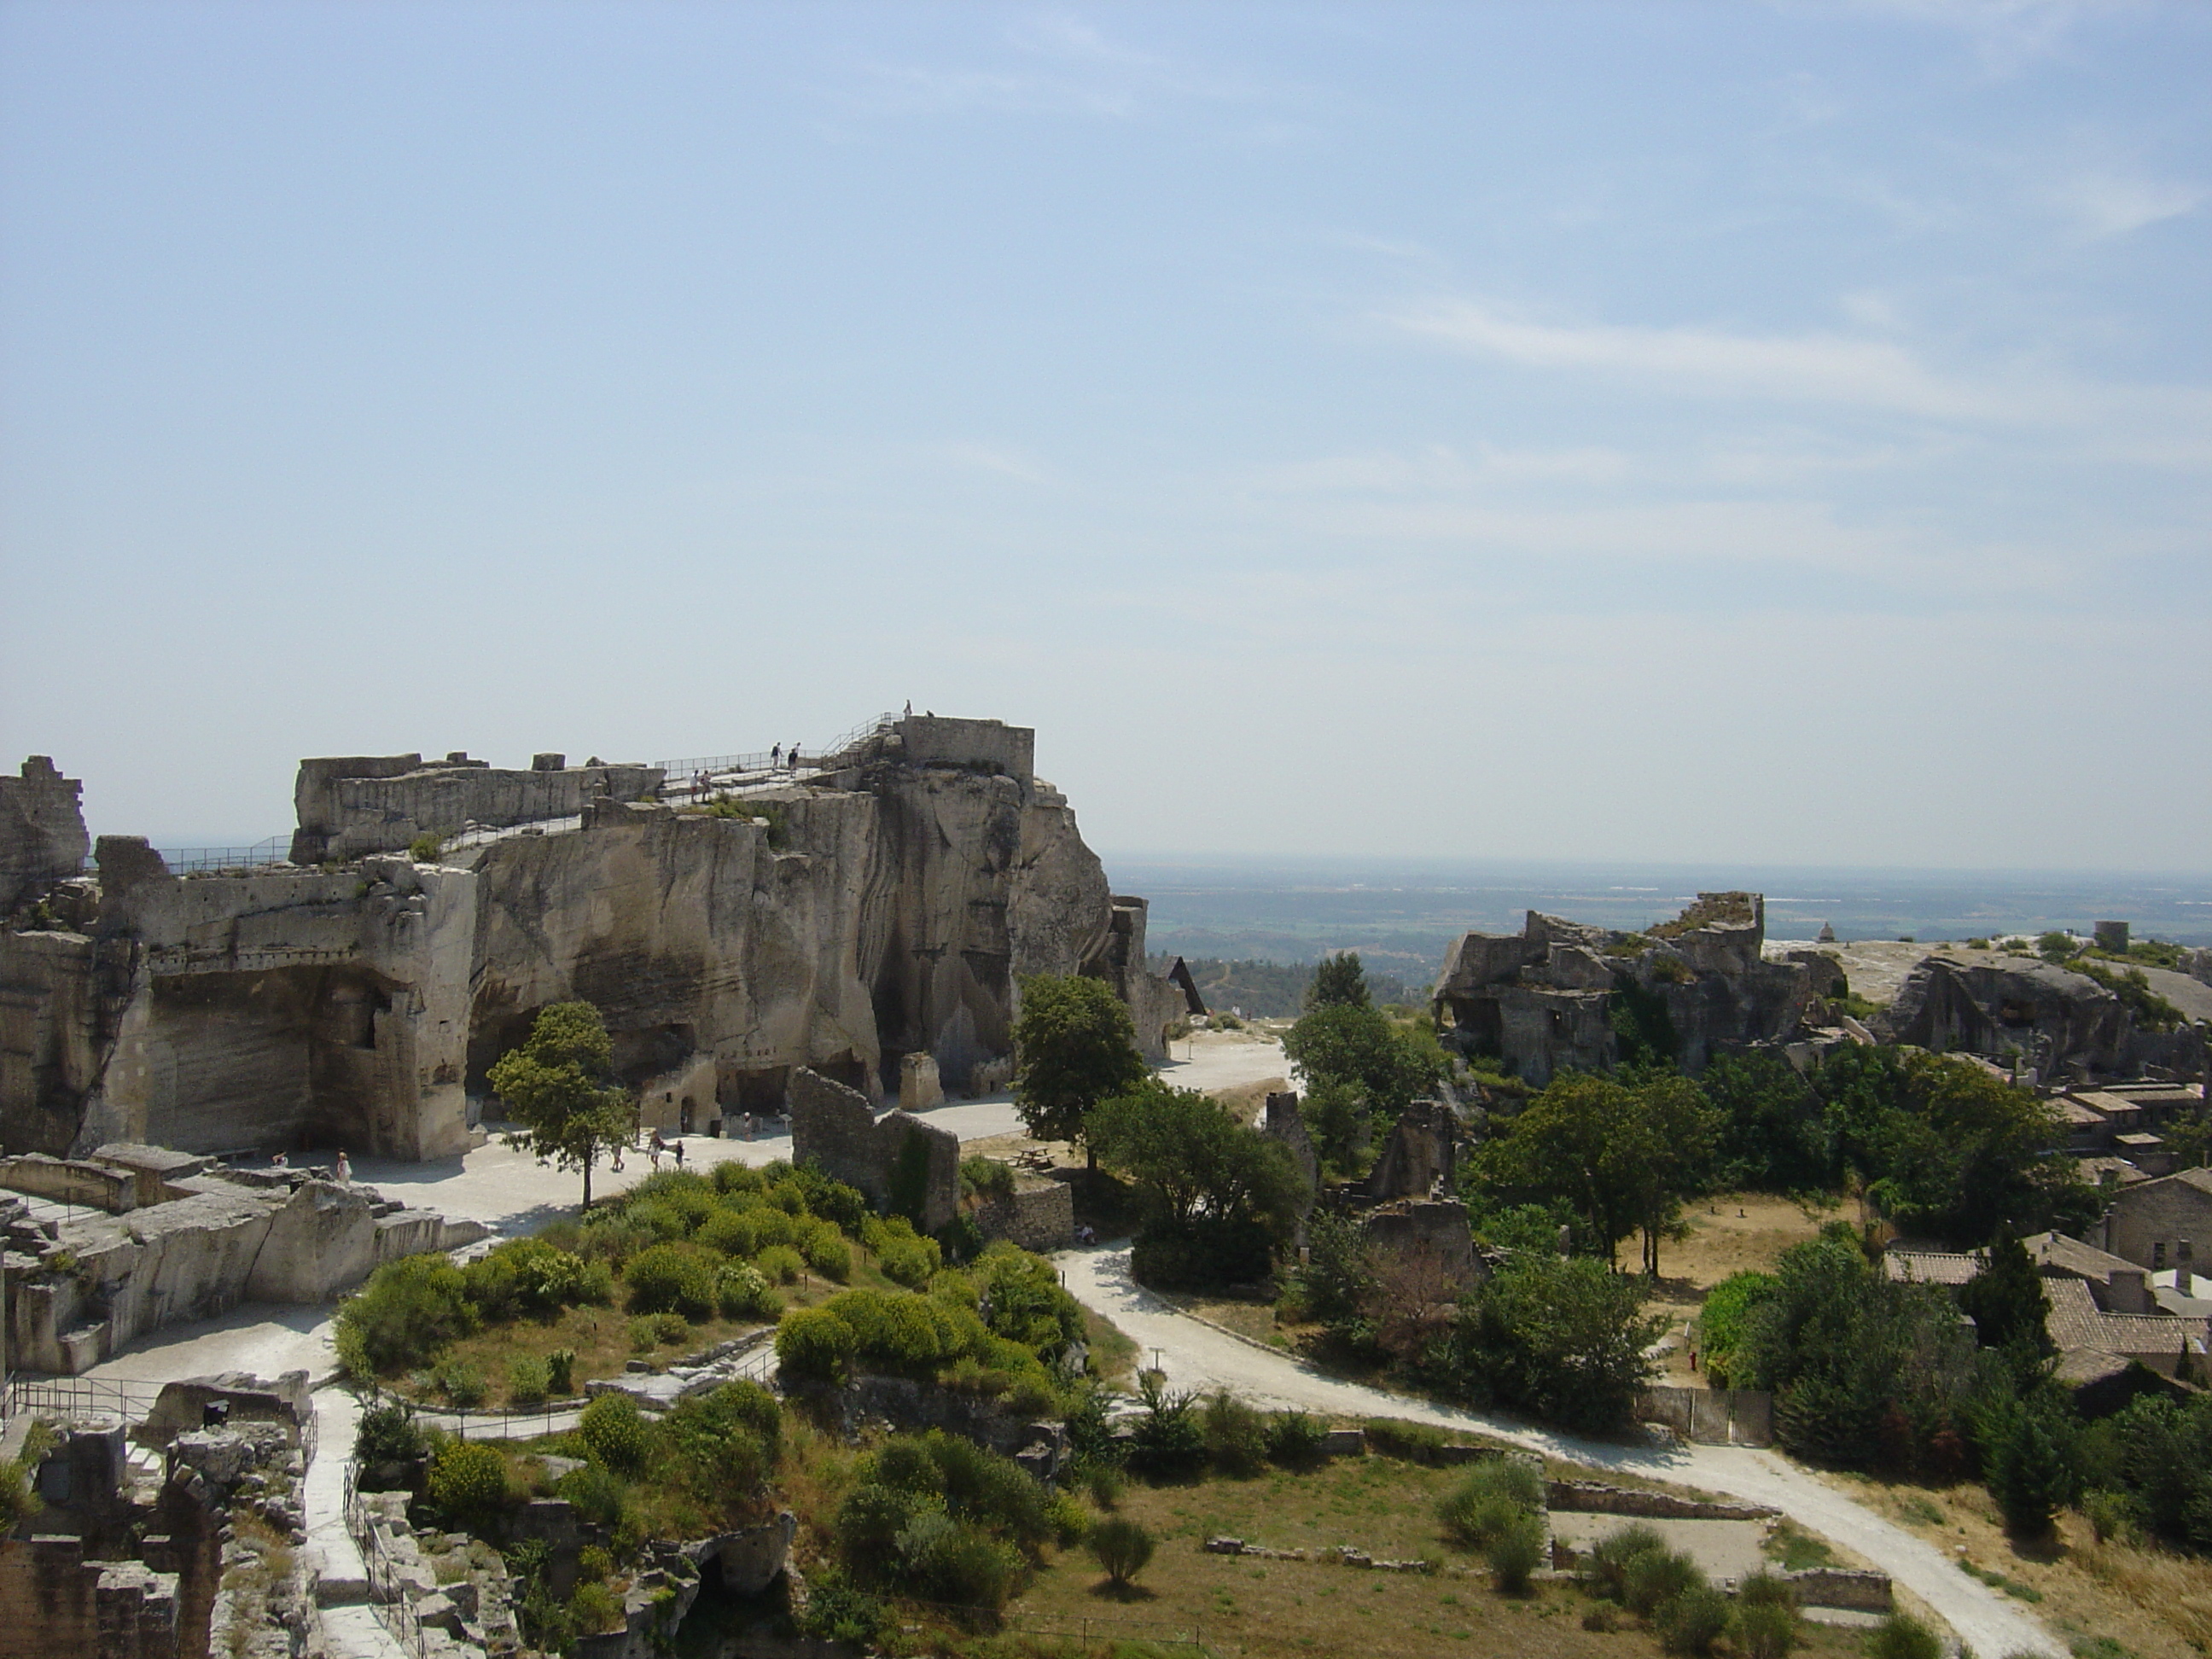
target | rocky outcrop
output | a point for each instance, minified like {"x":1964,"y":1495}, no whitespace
{"x":887,"y":905}
{"x":1545,"y":1000}
{"x":2049,"y":1020}
{"x":42,"y":839}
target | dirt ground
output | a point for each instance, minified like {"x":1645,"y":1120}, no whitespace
{"x":1732,"y":1233}
{"x":2154,"y":1604}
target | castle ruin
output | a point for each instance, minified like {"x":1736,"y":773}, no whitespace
{"x":732,"y":925}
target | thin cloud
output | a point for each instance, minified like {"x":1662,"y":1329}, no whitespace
{"x":1805,"y":368}
{"x":2112,"y":204}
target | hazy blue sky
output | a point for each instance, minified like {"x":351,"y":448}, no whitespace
{"x":1774,"y":432}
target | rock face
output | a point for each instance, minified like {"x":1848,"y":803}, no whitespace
{"x":42,"y":838}
{"x":1544,"y":999}
{"x":2047,"y":1019}
{"x":888,"y":906}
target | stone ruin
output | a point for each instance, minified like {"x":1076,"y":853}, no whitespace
{"x":101,"y":1250}
{"x":835,"y":1126}
{"x":1541,"y":1001}
{"x":885,"y":903}
{"x":2047,"y":1023}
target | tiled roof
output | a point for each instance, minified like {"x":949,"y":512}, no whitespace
{"x":2093,"y":1169}
{"x":1931,"y":1266}
{"x":2071,"y":1256}
{"x":2077,"y":1322}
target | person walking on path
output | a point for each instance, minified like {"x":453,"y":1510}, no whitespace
{"x":345,"y":1169}
{"x":775,"y":756}
{"x":677,"y":1146}
{"x":654,"y":1149}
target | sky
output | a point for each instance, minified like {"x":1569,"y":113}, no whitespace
{"x":1774,"y":432}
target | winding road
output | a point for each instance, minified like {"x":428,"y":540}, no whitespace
{"x":1196,"y":1355}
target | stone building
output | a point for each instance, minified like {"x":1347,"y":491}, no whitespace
{"x":890,"y":903}
{"x":2162,"y":1224}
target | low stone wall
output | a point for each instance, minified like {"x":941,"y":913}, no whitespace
{"x":1591,"y":1498}
{"x":1039,"y":1218}
{"x":980,"y":1418}
{"x":1712,"y":1416}
{"x":54,"y":1604}
{"x":1842,"y":1587}
{"x":72,"y":1180}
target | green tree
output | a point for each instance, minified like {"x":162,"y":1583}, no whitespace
{"x":1338,"y":982}
{"x":2006,"y":1300}
{"x":1772,"y":1135}
{"x":1563,"y":1339}
{"x":1358,"y":1047}
{"x":1216,"y":1196}
{"x":559,"y":1086}
{"x":1338,"y":1121}
{"x":1677,"y":1132}
{"x":1074,"y":1046}
{"x":1722,"y":1319}
{"x":2031,"y":1476}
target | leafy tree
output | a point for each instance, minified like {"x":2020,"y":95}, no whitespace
{"x":1772,"y":1135}
{"x":1338,"y":982}
{"x":1216,"y":1196}
{"x":2007,"y":1302}
{"x":559,"y":1085}
{"x":1358,"y":1047}
{"x":1075,"y":1046}
{"x":1337,"y":1122}
{"x":1564,"y":1340}
{"x":1723,"y":1320}
{"x":2031,"y":1476}
{"x":1624,"y":1154}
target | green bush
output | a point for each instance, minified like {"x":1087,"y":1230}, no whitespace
{"x":595,"y":1608}
{"x":780,"y":1264}
{"x":408,"y":1310}
{"x":1167,"y":1440}
{"x":827,"y":1252}
{"x":986,"y":1177}
{"x":1488,"y":1501}
{"x":527,"y":1380}
{"x":1901,"y":1636}
{"x":1236,"y":1434}
{"x":1071,"y":1522}
{"x":1294,"y":1439}
{"x":1764,"y":1630}
{"x":597,"y":1496}
{"x":613,"y":1429}
{"x":1610,"y":1558}
{"x":1515,"y":1552}
{"x":561,"y":1372}
{"x":905,"y":1256}
{"x":2111,"y":1515}
{"x":1657,"y":1576}
{"x":1104,"y":1484}
{"x":813,"y":1345}
{"x":388,"y":1434}
{"x":1694,"y":1621}
{"x":1122,"y":1548}
{"x":1395,"y":1436}
{"x":942,"y":1519}
{"x":468,"y":1481}
{"x":462,"y":1383}
{"x":660,"y":1330}
{"x":742,"y":1291}
{"x":677,"y":1278}
{"x":532,"y":1277}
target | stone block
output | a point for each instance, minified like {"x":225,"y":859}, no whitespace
{"x":919,"y":1087}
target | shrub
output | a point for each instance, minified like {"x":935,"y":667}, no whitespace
{"x":1071,"y":1522}
{"x":651,"y":1331}
{"x":461,"y":1384}
{"x":1694,"y":1621}
{"x":1394,"y":1437}
{"x":986,"y":1177}
{"x":1488,"y":1501}
{"x":827,"y":1252}
{"x":780,"y":1264}
{"x":596,"y":1494}
{"x":1166,"y":1440}
{"x":594,"y":1562}
{"x":1236,"y":1434}
{"x":388,"y":1434}
{"x":1901,"y":1636}
{"x":426,"y":847}
{"x":468,"y":1481}
{"x":743,"y":1292}
{"x":408,"y":1310}
{"x":1294,"y":1439}
{"x":1122,"y":1546}
{"x":527,"y":1380}
{"x":595,"y":1608}
{"x":561,"y":1372}
{"x":614,"y":1431}
{"x":1104,"y":1484}
{"x":1657,"y":1577}
{"x":1764,"y":1630}
{"x":1515,"y":1552}
{"x":1607,"y":1568}
{"x":675,"y":1278}
{"x":814,"y":1344}
{"x":2111,"y":1515}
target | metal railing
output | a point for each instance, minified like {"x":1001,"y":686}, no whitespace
{"x":77,"y":1395}
{"x":386,"y":1594}
{"x":202,"y":860}
{"x":678,"y":775}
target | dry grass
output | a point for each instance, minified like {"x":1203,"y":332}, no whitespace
{"x":1246,"y":1100}
{"x":1732,"y":1233}
{"x":1297,"y":1609}
{"x":2156,"y":1604}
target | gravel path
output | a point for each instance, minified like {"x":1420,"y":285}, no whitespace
{"x":1199,"y":1356}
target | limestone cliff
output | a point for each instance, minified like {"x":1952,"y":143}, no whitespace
{"x":888,"y":903}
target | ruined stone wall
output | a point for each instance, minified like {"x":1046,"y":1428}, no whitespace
{"x":54,"y":1604}
{"x":1038,"y":1216}
{"x":42,"y":838}
{"x":835,"y":1128}
{"x":351,"y":807}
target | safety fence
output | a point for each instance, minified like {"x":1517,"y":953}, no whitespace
{"x":386,"y":1594}
{"x":205,"y":861}
{"x":80,"y":1396}
{"x":681,"y":775}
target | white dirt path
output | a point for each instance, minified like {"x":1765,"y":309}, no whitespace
{"x":1199,"y":1356}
